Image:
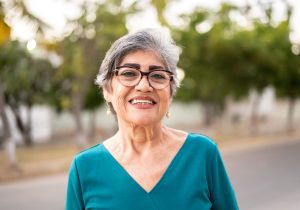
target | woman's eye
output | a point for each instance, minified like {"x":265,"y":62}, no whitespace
{"x":129,"y":73}
{"x":158,"y":76}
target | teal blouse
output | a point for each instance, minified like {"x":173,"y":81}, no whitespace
{"x":195,"y":180}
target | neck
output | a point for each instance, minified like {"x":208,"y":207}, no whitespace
{"x":140,"y":138}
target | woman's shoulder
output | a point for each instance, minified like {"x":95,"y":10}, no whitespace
{"x":200,"y":140}
{"x":194,"y":139}
{"x":91,"y":153}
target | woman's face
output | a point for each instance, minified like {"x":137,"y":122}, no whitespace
{"x":140,"y":105}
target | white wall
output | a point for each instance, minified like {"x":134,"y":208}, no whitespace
{"x":47,"y":122}
{"x":41,"y":123}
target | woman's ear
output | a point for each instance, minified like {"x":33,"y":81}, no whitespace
{"x":171,"y":100}
{"x":106,"y":95}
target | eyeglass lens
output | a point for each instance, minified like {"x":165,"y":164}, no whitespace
{"x":158,"y":79}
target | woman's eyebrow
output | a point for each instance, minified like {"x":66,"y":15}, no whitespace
{"x":154,"y":67}
{"x":132,"y":65}
{"x":138,"y":66}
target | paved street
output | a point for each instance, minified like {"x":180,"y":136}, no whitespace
{"x":264,"y":178}
{"x":47,"y":193}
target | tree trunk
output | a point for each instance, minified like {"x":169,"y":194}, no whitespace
{"x":78,"y":97}
{"x":290,"y":114}
{"x":92,"y":126}
{"x":10,"y":150}
{"x":24,"y":128}
{"x":27,"y":132}
{"x":212,"y":110}
{"x":80,"y":134}
{"x":254,"y":115}
{"x":208,"y":113}
{"x":10,"y":144}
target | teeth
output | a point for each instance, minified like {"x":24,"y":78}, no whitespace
{"x":136,"y":101}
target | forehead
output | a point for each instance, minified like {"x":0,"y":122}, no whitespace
{"x":143,"y":58}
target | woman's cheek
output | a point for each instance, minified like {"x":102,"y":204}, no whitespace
{"x":121,"y":103}
{"x":164,"y":107}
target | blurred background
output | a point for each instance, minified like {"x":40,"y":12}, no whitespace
{"x":240,"y":74}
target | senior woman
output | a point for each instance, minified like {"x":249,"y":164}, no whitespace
{"x":147,"y":165}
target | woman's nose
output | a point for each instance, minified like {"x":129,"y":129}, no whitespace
{"x":144,"y":84}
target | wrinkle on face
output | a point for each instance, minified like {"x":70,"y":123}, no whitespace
{"x":136,"y":126}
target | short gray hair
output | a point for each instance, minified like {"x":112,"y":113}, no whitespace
{"x":148,"y":39}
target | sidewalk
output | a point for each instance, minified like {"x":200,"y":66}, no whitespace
{"x":41,"y":161}
{"x":250,"y":142}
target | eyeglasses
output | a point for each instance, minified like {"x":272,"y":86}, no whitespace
{"x":130,"y":76}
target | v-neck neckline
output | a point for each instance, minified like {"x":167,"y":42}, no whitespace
{"x":160,"y":180}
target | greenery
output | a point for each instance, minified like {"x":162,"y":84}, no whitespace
{"x":24,"y":81}
{"x":221,"y":58}
{"x":82,"y":51}
{"x":230,"y":60}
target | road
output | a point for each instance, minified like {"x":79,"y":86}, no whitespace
{"x":264,"y":178}
{"x":46,"y":193}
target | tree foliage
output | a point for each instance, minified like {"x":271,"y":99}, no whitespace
{"x":220,"y":58}
{"x":25,"y":81}
{"x":82,"y":52}
{"x":230,"y":60}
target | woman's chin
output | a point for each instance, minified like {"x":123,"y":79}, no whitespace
{"x":144,"y":121}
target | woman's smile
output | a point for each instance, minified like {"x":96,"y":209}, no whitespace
{"x":142,"y":102}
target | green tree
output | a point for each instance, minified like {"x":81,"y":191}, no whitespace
{"x":271,"y":59}
{"x":11,"y":10}
{"x":82,"y":52}
{"x":18,"y":10}
{"x":160,"y":7}
{"x":206,"y":77}
{"x":230,"y":60}
{"x":25,"y":81}
{"x":286,"y":78}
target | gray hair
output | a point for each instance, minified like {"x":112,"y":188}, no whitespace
{"x":147,"y":39}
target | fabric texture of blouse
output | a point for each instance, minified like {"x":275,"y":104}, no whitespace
{"x":195,"y":180}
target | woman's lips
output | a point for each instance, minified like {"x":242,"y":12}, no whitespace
{"x":142,"y":102}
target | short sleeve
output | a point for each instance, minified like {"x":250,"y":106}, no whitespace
{"x":221,"y":192}
{"x":74,"y":200}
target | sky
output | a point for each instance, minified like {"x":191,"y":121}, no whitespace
{"x":56,"y":12}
